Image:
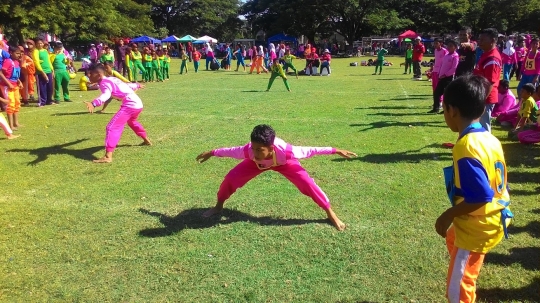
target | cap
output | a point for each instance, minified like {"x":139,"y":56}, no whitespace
{"x":326,"y":50}
{"x":418,"y":38}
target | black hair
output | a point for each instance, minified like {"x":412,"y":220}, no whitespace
{"x":466,"y":29}
{"x":13,"y":48}
{"x":108,"y":63}
{"x":504,"y":84}
{"x":468,"y":94}
{"x":263,"y":134}
{"x":96,"y":67}
{"x":451,"y":41}
{"x":437,"y":40}
{"x":490,"y":32}
{"x":529,"y":87}
{"x":534,"y":40}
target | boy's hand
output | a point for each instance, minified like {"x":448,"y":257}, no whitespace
{"x":443,"y":223}
{"x":345,"y":153}
{"x":204,"y":156}
{"x":90,"y":107}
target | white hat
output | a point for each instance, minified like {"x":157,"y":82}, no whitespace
{"x":326,"y":50}
{"x":418,"y":38}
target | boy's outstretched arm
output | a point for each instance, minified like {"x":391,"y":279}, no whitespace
{"x":302,"y":152}
{"x":203,"y":157}
{"x":236,"y":152}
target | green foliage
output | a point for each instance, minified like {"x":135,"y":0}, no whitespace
{"x":78,"y":19}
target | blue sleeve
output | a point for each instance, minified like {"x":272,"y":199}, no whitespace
{"x":474,"y":181}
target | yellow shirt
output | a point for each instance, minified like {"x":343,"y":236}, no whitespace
{"x":117,"y":75}
{"x":83,"y":83}
{"x":479,"y":176}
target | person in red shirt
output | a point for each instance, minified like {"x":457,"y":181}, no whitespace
{"x":196,"y":57}
{"x":489,"y":66}
{"x":418,"y":55}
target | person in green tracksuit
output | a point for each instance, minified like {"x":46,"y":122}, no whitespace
{"x":136,"y":59}
{"x":156,"y":68}
{"x":277,"y":71}
{"x":288,"y":61}
{"x":129,"y":64}
{"x":147,"y":62}
{"x":161,"y":59}
{"x":380,"y":60}
{"x":166,"y":64}
{"x":408,"y":59}
{"x":61,"y":75}
{"x":184,"y":58}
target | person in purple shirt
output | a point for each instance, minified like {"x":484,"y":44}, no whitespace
{"x":120,"y":57}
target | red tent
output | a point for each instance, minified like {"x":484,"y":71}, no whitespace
{"x":408,"y":34}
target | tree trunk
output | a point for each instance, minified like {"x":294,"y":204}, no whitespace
{"x":20,"y":36}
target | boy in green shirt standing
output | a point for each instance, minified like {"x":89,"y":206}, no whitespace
{"x":408,"y":59}
{"x":61,"y":75}
{"x":380,"y":60}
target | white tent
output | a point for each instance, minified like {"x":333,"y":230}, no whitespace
{"x":205,"y":39}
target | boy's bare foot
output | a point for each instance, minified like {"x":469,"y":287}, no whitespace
{"x":14,"y":128}
{"x":12,"y":136}
{"x":212,"y":211}
{"x":103,"y":160}
{"x":146,"y":142}
{"x":338,"y":224}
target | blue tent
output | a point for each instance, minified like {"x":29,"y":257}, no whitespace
{"x":146,"y":39}
{"x":282,"y":37}
{"x":172,"y":38}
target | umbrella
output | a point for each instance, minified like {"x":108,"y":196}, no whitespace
{"x":187,"y":38}
{"x":172,"y":38}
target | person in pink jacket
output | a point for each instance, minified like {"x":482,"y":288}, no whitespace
{"x":507,"y":100}
{"x":440,"y":52}
{"x":130,"y":109}
{"x":267,"y":152}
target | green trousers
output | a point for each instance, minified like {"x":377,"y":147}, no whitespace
{"x":156,"y":70}
{"x":137,"y":66}
{"x":183,"y":66}
{"x":379,"y":65}
{"x":165,"y":70}
{"x":291,"y":66}
{"x":196,"y":65}
{"x":273,"y":77}
{"x":61,"y":81}
{"x":147,"y":75}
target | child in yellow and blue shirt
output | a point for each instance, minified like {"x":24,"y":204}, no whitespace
{"x":476,"y":186}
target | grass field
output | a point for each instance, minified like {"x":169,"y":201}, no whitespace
{"x":131,"y":231}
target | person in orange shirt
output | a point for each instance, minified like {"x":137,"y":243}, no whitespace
{"x":196,"y":56}
{"x":28,"y":70}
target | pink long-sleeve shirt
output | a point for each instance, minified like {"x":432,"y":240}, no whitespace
{"x":449,"y":65}
{"x":506,"y":102}
{"x":283,"y":151}
{"x":509,"y":59}
{"x":439,"y":55}
{"x":521,"y":53}
{"x":112,"y":87}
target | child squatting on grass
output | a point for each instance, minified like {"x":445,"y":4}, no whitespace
{"x":476,"y":186}
{"x":267,"y":152}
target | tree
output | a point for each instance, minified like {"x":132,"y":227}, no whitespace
{"x":99,"y":20}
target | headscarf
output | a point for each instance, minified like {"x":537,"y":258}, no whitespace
{"x":272,"y":47}
{"x":509,"y":50}
{"x":208,"y":48}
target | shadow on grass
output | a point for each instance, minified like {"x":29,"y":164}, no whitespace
{"x":396,"y":114}
{"x":253,"y":91}
{"x":527,"y":257}
{"x":192,"y":219}
{"x":517,"y":154}
{"x":405,"y":99}
{"x":533,"y":229}
{"x":384,"y":124}
{"x":71,"y":114}
{"x":412,"y":156}
{"x":387,"y":107}
{"x":529,"y":293}
{"x":43,"y":153}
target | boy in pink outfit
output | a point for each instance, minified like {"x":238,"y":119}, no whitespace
{"x":130,"y":109}
{"x":507,"y":100}
{"x":267,"y":152}
{"x":446,"y":73}
{"x":440,"y":52}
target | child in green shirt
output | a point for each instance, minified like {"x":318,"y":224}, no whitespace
{"x":380,"y":60}
{"x":277,"y":71}
{"x":408,"y":59}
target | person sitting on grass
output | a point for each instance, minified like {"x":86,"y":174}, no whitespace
{"x":507,"y":100}
{"x":476,"y":186}
{"x":527,"y":110}
{"x":267,"y":152}
{"x":277,"y":71}
{"x":531,"y":136}
{"x":85,"y":84}
{"x":325,"y":61}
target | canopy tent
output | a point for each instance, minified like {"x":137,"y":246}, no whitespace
{"x":146,"y":39}
{"x":205,"y":39}
{"x":187,"y":38}
{"x":172,"y":38}
{"x":408,"y":34}
{"x":282,"y":37}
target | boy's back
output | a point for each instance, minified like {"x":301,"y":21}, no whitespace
{"x":480,"y":176}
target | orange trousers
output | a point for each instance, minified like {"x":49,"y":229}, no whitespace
{"x":462,"y":272}
{"x":14,"y":98}
{"x":259,"y":63}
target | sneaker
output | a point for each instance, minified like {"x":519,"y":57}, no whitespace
{"x":418,"y":79}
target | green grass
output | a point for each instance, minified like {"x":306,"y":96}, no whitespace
{"x":74,"y":231}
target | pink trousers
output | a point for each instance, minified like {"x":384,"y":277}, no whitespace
{"x":509,"y":116}
{"x":530,"y":136}
{"x":116,"y":126}
{"x":292,"y":170}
